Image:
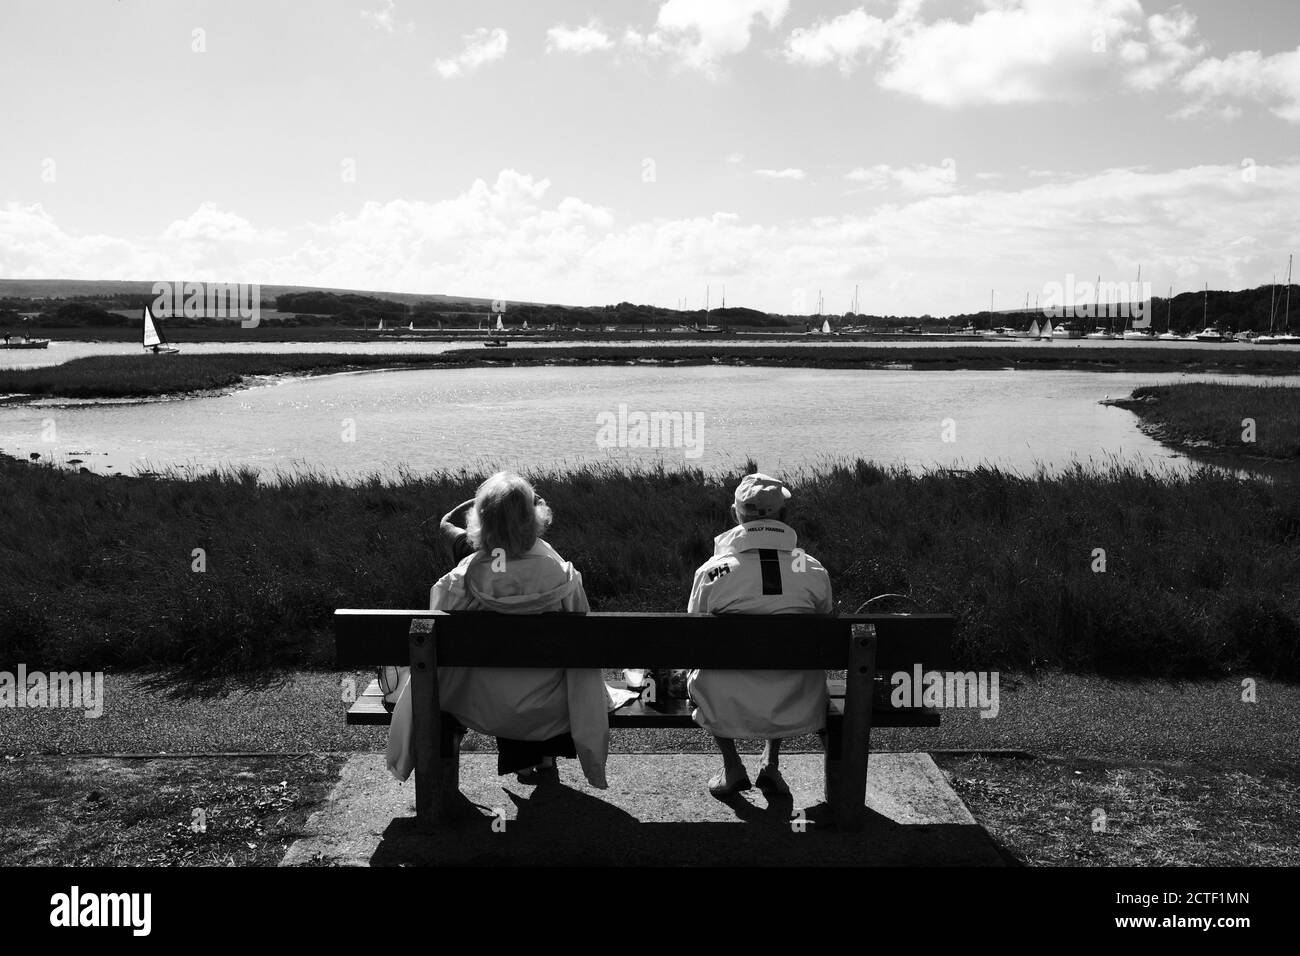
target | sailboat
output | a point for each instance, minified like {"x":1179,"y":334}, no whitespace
{"x":1286,"y":337}
{"x":153,"y":339}
{"x":1210,"y":333}
{"x":1134,"y":332}
{"x":826,"y":327}
{"x":496,"y":342}
{"x":1100,"y":332}
{"x":1169,"y":335}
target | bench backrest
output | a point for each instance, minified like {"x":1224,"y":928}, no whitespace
{"x":366,"y":638}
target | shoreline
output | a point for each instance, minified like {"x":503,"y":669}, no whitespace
{"x":1207,"y":421}
{"x":205,"y":375}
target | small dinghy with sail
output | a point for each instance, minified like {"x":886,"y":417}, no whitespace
{"x":154,"y":340}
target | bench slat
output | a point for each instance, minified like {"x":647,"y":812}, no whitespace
{"x":753,"y":642}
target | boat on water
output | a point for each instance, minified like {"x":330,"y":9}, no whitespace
{"x":24,"y":342}
{"x":1101,"y":333}
{"x":495,"y":343}
{"x":1138,"y":335}
{"x":153,"y":339}
{"x":1210,"y":333}
{"x":1169,"y":335}
{"x":1286,"y":336}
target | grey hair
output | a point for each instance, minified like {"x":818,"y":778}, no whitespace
{"x":507,"y":514}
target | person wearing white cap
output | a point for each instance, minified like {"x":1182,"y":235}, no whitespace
{"x":757,"y":569}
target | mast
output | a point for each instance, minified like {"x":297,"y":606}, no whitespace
{"x":1169,"y":312}
{"x":1205,"y":307}
{"x":1138,"y":292}
{"x":1286,"y":325}
{"x":1272,"y":302}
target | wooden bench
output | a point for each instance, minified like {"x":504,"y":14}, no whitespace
{"x":869,"y":648}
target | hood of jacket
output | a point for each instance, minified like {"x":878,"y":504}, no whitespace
{"x":759,"y":533}
{"x":537,"y":581}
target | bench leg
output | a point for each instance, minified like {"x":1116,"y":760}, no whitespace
{"x":426,"y":718}
{"x":849,"y":792}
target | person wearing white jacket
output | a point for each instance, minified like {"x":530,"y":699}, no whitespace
{"x":757,"y":568}
{"x":535,"y":713}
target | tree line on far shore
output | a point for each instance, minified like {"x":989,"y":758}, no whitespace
{"x":1261,"y":309}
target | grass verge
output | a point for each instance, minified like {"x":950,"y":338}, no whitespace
{"x":96,"y":812}
{"x":1199,"y":571}
{"x":1071,"y":812}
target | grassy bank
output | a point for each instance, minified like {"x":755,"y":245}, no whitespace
{"x":1060,"y":355}
{"x":137,"y":376}
{"x":1216,"y":417}
{"x":1200,"y":578}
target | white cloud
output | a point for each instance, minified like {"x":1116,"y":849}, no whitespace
{"x":841,"y":40}
{"x":209,"y":223}
{"x":585,"y":39}
{"x":385,"y":17}
{"x":1013,"y":51}
{"x":780,"y":173}
{"x":511,"y":237}
{"x":1273,"y":81}
{"x":481,"y":47}
{"x":701,"y":33}
{"x":919,"y":180}
{"x":1172,"y":44}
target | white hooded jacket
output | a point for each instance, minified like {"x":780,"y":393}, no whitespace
{"x":755,"y":570}
{"x":517,"y":703}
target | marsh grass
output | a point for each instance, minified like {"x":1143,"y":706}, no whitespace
{"x":137,"y":376}
{"x":1201,"y":576}
{"x":1216,"y":415}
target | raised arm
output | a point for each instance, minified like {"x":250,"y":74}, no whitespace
{"x":452,"y":527}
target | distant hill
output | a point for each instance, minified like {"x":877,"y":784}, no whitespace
{"x":49,"y":300}
{"x":109,"y":288}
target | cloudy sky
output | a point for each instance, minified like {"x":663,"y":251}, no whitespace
{"x":927,"y":151}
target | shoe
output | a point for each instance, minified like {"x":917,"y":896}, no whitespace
{"x":537,"y":773}
{"x":770,"y":781}
{"x":719,"y":788}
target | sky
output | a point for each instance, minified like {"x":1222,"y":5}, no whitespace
{"x":932,"y":154}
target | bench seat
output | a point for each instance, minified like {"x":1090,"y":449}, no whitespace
{"x":369,"y":710}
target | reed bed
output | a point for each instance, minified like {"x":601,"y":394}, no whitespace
{"x":1201,"y":571}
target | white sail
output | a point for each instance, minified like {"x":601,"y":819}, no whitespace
{"x":151,"y":336}
{"x":500,"y":325}
{"x":826,"y":327}
{"x":1046,"y":332}
{"x":1033,"y":329}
